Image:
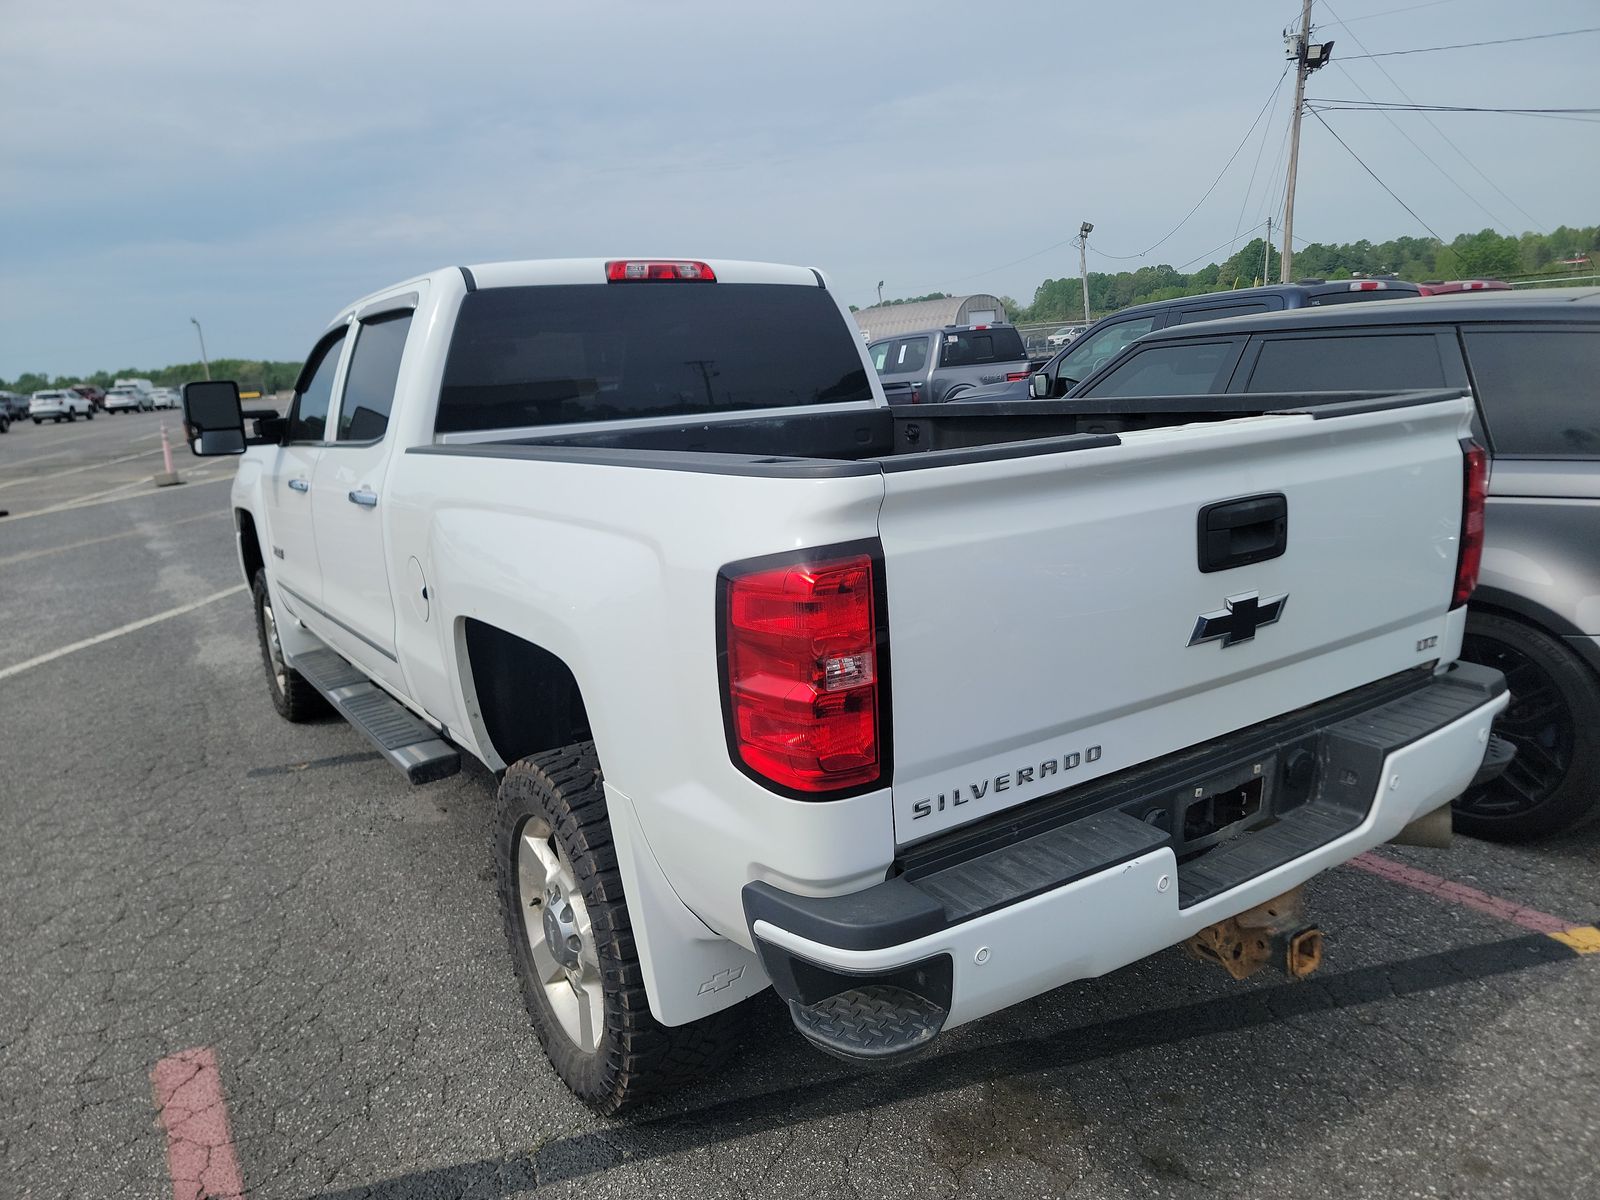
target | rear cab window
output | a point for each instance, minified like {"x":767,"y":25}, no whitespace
{"x":978,"y":347}
{"x":563,"y":353}
{"x":1539,"y":389}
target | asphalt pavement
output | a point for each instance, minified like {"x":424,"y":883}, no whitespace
{"x":202,"y":905}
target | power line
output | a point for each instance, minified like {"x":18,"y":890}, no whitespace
{"x":1238,"y":237}
{"x":1434,"y":126}
{"x":1454,"y":183}
{"x":1370,"y":105}
{"x":1388,"y":12}
{"x":1270,"y":99}
{"x":1532,"y":37}
{"x":1374,"y":175}
{"x":1266,"y":130}
{"x":1396,"y":106}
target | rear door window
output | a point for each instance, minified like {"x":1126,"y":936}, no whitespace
{"x":978,"y":347}
{"x":1539,"y":390}
{"x":370,"y":382}
{"x":1359,"y":363}
{"x":1181,"y":369}
{"x":902,"y":356}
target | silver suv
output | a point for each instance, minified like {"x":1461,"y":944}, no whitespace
{"x":1532,"y":360}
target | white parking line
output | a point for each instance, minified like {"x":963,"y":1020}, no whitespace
{"x":20,"y":667}
{"x":74,"y":505}
{"x":22,"y":462}
{"x":110,"y":537}
{"x":94,"y":466}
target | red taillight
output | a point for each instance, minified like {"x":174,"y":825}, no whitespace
{"x":802,"y":673}
{"x":642,"y":270}
{"x":1475,"y":493}
{"x":1013,"y":376}
{"x":1367,"y":285}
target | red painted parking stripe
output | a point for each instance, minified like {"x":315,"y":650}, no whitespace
{"x":1460,"y":893}
{"x":200,"y":1154}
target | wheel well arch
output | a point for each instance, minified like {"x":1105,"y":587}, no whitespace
{"x":526,"y":699}
{"x":250,"y":557}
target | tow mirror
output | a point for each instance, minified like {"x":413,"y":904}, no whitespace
{"x":213,"y":418}
{"x":1039,"y":385}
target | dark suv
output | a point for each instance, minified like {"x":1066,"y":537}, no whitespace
{"x":1096,"y":346}
{"x":1532,"y":361}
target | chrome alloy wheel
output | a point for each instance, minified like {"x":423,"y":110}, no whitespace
{"x":280,"y":671}
{"x":560,"y":938}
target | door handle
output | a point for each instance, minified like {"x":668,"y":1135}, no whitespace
{"x":299,"y":485}
{"x":366,"y":497}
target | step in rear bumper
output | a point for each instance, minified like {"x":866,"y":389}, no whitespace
{"x":1139,"y":902}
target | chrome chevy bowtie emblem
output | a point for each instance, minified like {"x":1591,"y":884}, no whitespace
{"x":1239,"y":621}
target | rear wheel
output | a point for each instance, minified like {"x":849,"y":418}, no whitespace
{"x":294,"y":698}
{"x":572,"y":945}
{"x":89,"y":415}
{"x":1554,"y":781}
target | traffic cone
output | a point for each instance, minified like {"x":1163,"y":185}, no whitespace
{"x":168,"y":477}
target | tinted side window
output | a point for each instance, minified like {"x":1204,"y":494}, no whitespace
{"x":370,"y":381}
{"x":1187,"y":369}
{"x":904,"y":356}
{"x":309,"y":421}
{"x":1091,"y":351}
{"x":1370,"y":363}
{"x":1540,"y":390}
{"x":1190,"y":315}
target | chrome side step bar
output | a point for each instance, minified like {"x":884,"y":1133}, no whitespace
{"x":400,"y":736}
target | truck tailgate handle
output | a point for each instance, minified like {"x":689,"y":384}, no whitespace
{"x":1235,"y":533}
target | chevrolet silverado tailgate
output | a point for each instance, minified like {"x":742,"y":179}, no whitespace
{"x":1050,"y":621}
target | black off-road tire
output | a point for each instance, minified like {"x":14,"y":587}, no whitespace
{"x":294,"y":698}
{"x":1553,"y":783}
{"x":637,"y":1057}
{"x":89,"y":416}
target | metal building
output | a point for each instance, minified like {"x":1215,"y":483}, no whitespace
{"x":882,"y":320}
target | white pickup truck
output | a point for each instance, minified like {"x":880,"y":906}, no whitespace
{"x":911,"y":715}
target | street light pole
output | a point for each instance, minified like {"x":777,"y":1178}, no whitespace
{"x":1084,"y":230}
{"x":202,"y":333}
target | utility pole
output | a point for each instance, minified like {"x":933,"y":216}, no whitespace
{"x":1266,"y":252}
{"x":1307,"y":58}
{"x":202,"y":333}
{"x":1084,"y":230}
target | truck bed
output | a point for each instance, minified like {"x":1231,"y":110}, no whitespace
{"x":829,"y":443}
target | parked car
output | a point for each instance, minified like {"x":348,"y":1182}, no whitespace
{"x":162,"y":397}
{"x":1532,"y":360}
{"x":13,"y":405}
{"x":924,"y":367}
{"x":59,"y":404}
{"x":1437,"y":288}
{"x":94,"y":395}
{"x":641,"y":535}
{"x":124,"y":398}
{"x":1063,"y":335}
{"x":1092,"y":349}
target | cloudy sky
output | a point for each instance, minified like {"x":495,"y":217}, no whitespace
{"x":258,"y":165}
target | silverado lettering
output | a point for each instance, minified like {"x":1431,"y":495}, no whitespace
{"x":929,"y":805}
